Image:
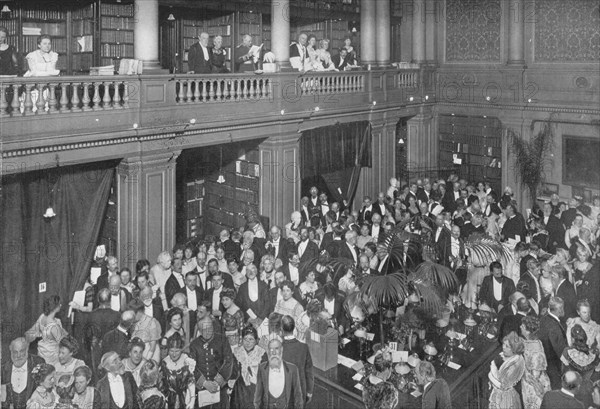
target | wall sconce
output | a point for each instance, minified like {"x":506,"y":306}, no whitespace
{"x":49,"y":213}
{"x":171,"y":17}
{"x":5,"y":9}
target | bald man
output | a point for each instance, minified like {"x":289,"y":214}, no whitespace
{"x":564,"y":398}
{"x":117,"y":339}
{"x":16,"y":374}
{"x":200,"y":56}
{"x":119,"y":297}
{"x":242,"y":57}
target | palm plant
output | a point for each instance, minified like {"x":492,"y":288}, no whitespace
{"x":428,"y":281}
{"x":531,"y":157}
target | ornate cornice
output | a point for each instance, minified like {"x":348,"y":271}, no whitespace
{"x":529,"y":107}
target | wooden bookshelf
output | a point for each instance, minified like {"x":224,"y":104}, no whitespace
{"x":84,"y":36}
{"x":116,"y":32}
{"x":474,"y":146}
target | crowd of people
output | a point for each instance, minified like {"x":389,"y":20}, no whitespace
{"x":217,"y":321}
{"x":40,"y":62}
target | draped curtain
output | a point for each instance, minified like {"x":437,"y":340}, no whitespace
{"x":337,"y":153}
{"x":57,"y":251}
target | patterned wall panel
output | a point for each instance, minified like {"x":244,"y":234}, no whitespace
{"x":567,"y":30}
{"x":473,"y":30}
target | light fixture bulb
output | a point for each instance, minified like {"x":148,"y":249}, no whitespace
{"x":401,"y":141}
{"x":135,"y":126}
{"x":426,"y":97}
{"x":411,"y":99}
{"x":374,"y":102}
{"x":171,"y":17}
{"x":5,"y":9}
{"x":49,"y":213}
{"x":221,"y":179}
{"x":282,"y":111}
{"x":317,"y":109}
{"x":193,"y":121}
{"x":487,"y":98}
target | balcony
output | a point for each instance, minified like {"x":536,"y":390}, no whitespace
{"x":40,"y":115}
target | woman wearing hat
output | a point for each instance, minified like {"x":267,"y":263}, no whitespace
{"x":248,"y":357}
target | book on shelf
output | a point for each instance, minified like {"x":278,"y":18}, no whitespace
{"x":120,"y":23}
{"x":35,"y":14}
{"x":121,"y":10}
{"x":104,"y":70}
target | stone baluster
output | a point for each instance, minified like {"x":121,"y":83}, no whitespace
{"x":15,"y":104}
{"x":197,"y":85}
{"x":188,"y":93}
{"x":219,"y":93}
{"x":28,"y":101}
{"x":204,"y":90}
{"x":3,"y":103}
{"x":41,"y":101}
{"x":96,"y":100}
{"x":106,"y":99}
{"x":117,"y":96}
{"x":52,"y":108}
{"x":269,"y":88}
{"x":211,"y":94}
{"x":86,"y":97}
{"x":253,"y":93}
{"x":125,"y":95}
{"x":64,"y":98}
{"x":179,"y":91}
{"x":237,"y":89}
{"x":227,"y":91}
{"x":75,"y":98}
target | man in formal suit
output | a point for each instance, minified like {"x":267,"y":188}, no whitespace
{"x":307,"y":249}
{"x":214,"y":361}
{"x":314,"y":204}
{"x":436,"y":393}
{"x":118,"y":338}
{"x":364,"y":265}
{"x":176,"y":282}
{"x":427,"y":217}
{"x":442,"y":238}
{"x":119,"y":297}
{"x":243,"y":60}
{"x":291,"y":270}
{"x":112,"y":269}
{"x":333,"y":302}
{"x":193,"y":297}
{"x":496,"y":288}
{"x":117,"y":389}
{"x":367,"y":210}
{"x":277,"y":246}
{"x":349,"y":250}
{"x":567,"y":217}
{"x":450,"y":198}
{"x":555,"y":229}
{"x":531,"y":277}
{"x":278,"y":382}
{"x":102,"y":319}
{"x":514,"y":227}
{"x":381,"y":206}
{"x":201,"y":271}
{"x":565,"y":397}
{"x":297,"y":353}
{"x":159,"y":274}
{"x":340,"y":60}
{"x":334,"y":241}
{"x":152,"y":305}
{"x":16,"y":374}
{"x":200,"y":56}
{"x":304,"y":210}
{"x":253,"y":295}
{"x":554,"y":339}
{"x":565,"y":290}
{"x":298,"y":53}
{"x":250,"y":243}
{"x":213,"y":268}
{"x":377,"y":230}
{"x":475,"y":227}
{"x":213,"y":296}
{"x":512,"y":323}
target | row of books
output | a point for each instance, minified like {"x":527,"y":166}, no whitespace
{"x":11,"y":25}
{"x":53,"y":29}
{"x":82,"y":62}
{"x":482,"y":150}
{"x":195,"y":190}
{"x":81,"y":27}
{"x":85,"y":12}
{"x":117,"y":23}
{"x":117,"y":50}
{"x":109,"y":36}
{"x":59,"y":45}
{"x":471,"y":140}
{"x":194,"y":209}
{"x":44,"y":14}
{"x":124,"y":10}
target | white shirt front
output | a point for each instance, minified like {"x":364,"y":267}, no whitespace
{"x":205,"y":52}
{"x":455,"y":246}
{"x":117,"y":389}
{"x":115,"y":302}
{"x":437,"y":233}
{"x":216,"y":299}
{"x":276,"y":246}
{"x":192,"y":301}
{"x":179,"y":278}
{"x":276,"y":381}
{"x":329,"y":306}
{"x":294,"y":276}
{"x":253,"y":289}
{"x":375,"y":229}
{"x":302,"y":247}
{"x":497,"y":289}
{"x":148,"y":310}
{"x":202,"y":278}
{"x":18,"y":378}
{"x":353,"y":251}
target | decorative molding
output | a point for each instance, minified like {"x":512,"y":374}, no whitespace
{"x":539,"y":108}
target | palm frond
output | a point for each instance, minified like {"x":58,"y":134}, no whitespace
{"x":431,"y":299}
{"x":386,"y":290}
{"x":436,"y":274}
{"x":484,"y":250}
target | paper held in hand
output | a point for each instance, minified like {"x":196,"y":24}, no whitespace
{"x":205,"y":398}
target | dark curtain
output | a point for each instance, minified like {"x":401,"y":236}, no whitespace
{"x":337,"y":153}
{"x":57,"y":251}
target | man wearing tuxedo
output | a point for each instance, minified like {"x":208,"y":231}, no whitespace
{"x":442,"y":238}
{"x":451,"y":197}
{"x":200,"y":56}
{"x":307,"y":249}
{"x":333,"y":302}
{"x":332,"y":241}
{"x":424,"y":193}
{"x":16,"y":374}
{"x":176,"y":282}
{"x":474,"y":227}
{"x":381,"y":207}
{"x":531,"y":277}
{"x":376,"y":228}
{"x":117,"y":389}
{"x":201,"y":272}
{"x":337,"y":211}
{"x":277,"y":246}
{"x":556,"y":232}
{"x":304,"y":210}
{"x":565,"y":290}
{"x":367,"y":211}
{"x":496,"y":288}
{"x":194,"y":297}
{"x":253,"y":296}
{"x":412,"y":192}
{"x":514,"y":227}
{"x":349,"y":250}
{"x":436,"y":393}
{"x":324,"y":204}
{"x":554,"y":339}
{"x":298,"y":53}
{"x":314,"y":204}
{"x":342,"y":60}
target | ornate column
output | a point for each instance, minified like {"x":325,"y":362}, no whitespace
{"x":383,"y":12}
{"x":145,"y":41}
{"x":280,"y":180}
{"x":280,"y":32}
{"x":418,"y":49}
{"x":420,"y":149}
{"x":146,"y":219}
{"x":431,"y":23}
{"x":367,"y":32}
{"x":516,"y":53}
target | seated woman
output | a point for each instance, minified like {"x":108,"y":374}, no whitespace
{"x":49,"y":328}
{"x":44,"y":395}
{"x":350,"y":49}
{"x":324,"y":56}
{"x":42,"y":62}
{"x":9,"y":63}
{"x":504,"y":379}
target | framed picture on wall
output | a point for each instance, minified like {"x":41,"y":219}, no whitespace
{"x":577,"y":191}
{"x":548,"y":189}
